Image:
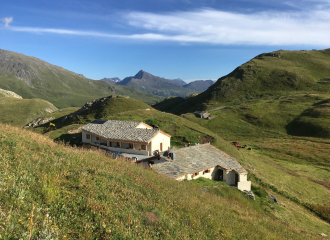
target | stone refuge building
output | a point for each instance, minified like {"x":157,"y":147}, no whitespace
{"x":203,"y":161}
{"x":202,"y":114}
{"x":126,"y":137}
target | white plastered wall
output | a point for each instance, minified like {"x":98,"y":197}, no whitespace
{"x":144,"y":126}
{"x":84,"y":139}
{"x":242,"y":178}
{"x":230,"y":177}
{"x":149,"y":149}
{"x":243,"y":184}
{"x":160,"y":138}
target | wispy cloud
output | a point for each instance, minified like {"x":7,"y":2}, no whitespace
{"x":7,"y":20}
{"x":218,"y":27}
{"x":212,"y":26}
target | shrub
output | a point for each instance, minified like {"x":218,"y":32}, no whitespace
{"x":259,"y":191}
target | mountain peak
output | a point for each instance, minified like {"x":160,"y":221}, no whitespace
{"x":141,"y":74}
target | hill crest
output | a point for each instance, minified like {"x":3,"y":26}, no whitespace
{"x":31,"y":77}
{"x":269,"y":74}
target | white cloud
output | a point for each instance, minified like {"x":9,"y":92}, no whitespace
{"x":7,"y":20}
{"x":218,"y":27}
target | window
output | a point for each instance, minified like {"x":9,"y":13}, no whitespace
{"x":143,"y":147}
{"x":207,"y":171}
{"x":88,"y":136}
{"x":118,"y":144}
{"x":97,"y":138}
{"x":130,"y":145}
{"x":196,"y":173}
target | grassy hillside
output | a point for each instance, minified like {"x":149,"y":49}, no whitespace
{"x":274,"y":155}
{"x":314,"y":121}
{"x":182,"y":130}
{"x":278,"y":73}
{"x":5,"y":93}
{"x":107,"y":108}
{"x":297,"y":167}
{"x":33,"y":78}
{"x":300,"y":115}
{"x":53,"y":191}
{"x":19,"y":112}
{"x":168,"y":104}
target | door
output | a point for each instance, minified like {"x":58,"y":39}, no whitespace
{"x":161,"y":147}
{"x":220,"y":174}
{"x":236,"y":179}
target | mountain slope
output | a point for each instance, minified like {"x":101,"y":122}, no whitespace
{"x":63,"y":192}
{"x":10,"y":94}
{"x":33,"y":78}
{"x":18,"y":112}
{"x":269,"y":74}
{"x":105,"y":107}
{"x":314,"y":121}
{"x":149,"y":83}
{"x":199,"y":85}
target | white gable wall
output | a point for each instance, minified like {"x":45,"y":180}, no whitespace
{"x":160,"y":138}
{"x":144,"y":126}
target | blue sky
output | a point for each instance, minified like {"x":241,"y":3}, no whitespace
{"x":187,"y":39}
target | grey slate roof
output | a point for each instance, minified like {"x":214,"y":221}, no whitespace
{"x":121,"y":130}
{"x":197,"y":158}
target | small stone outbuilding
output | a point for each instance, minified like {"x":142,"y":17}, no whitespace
{"x":202,"y":114}
{"x":205,"y":161}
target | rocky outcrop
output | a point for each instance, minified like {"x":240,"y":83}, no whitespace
{"x":39,"y":121}
{"x":6,"y":93}
{"x":87,"y":106}
{"x":272,"y":54}
{"x":74,"y":131}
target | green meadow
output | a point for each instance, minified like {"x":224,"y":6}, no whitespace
{"x":52,"y":191}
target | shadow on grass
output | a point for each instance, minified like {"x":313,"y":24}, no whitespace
{"x":72,"y":139}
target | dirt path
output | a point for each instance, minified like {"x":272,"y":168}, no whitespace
{"x":217,"y":108}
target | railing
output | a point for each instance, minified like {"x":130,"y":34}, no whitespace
{"x":123,"y":150}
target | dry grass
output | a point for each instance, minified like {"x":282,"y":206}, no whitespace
{"x":86,"y":195}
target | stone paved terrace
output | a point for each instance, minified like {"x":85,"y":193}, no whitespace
{"x":197,"y":158}
{"x":121,"y":130}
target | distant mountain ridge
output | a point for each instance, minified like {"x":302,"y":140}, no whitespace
{"x":199,"y":85}
{"x":31,"y":77}
{"x":149,"y":83}
{"x":179,"y":81}
{"x":114,"y":80}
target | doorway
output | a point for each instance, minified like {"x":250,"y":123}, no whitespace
{"x":220,"y":175}
{"x":236,"y":179}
